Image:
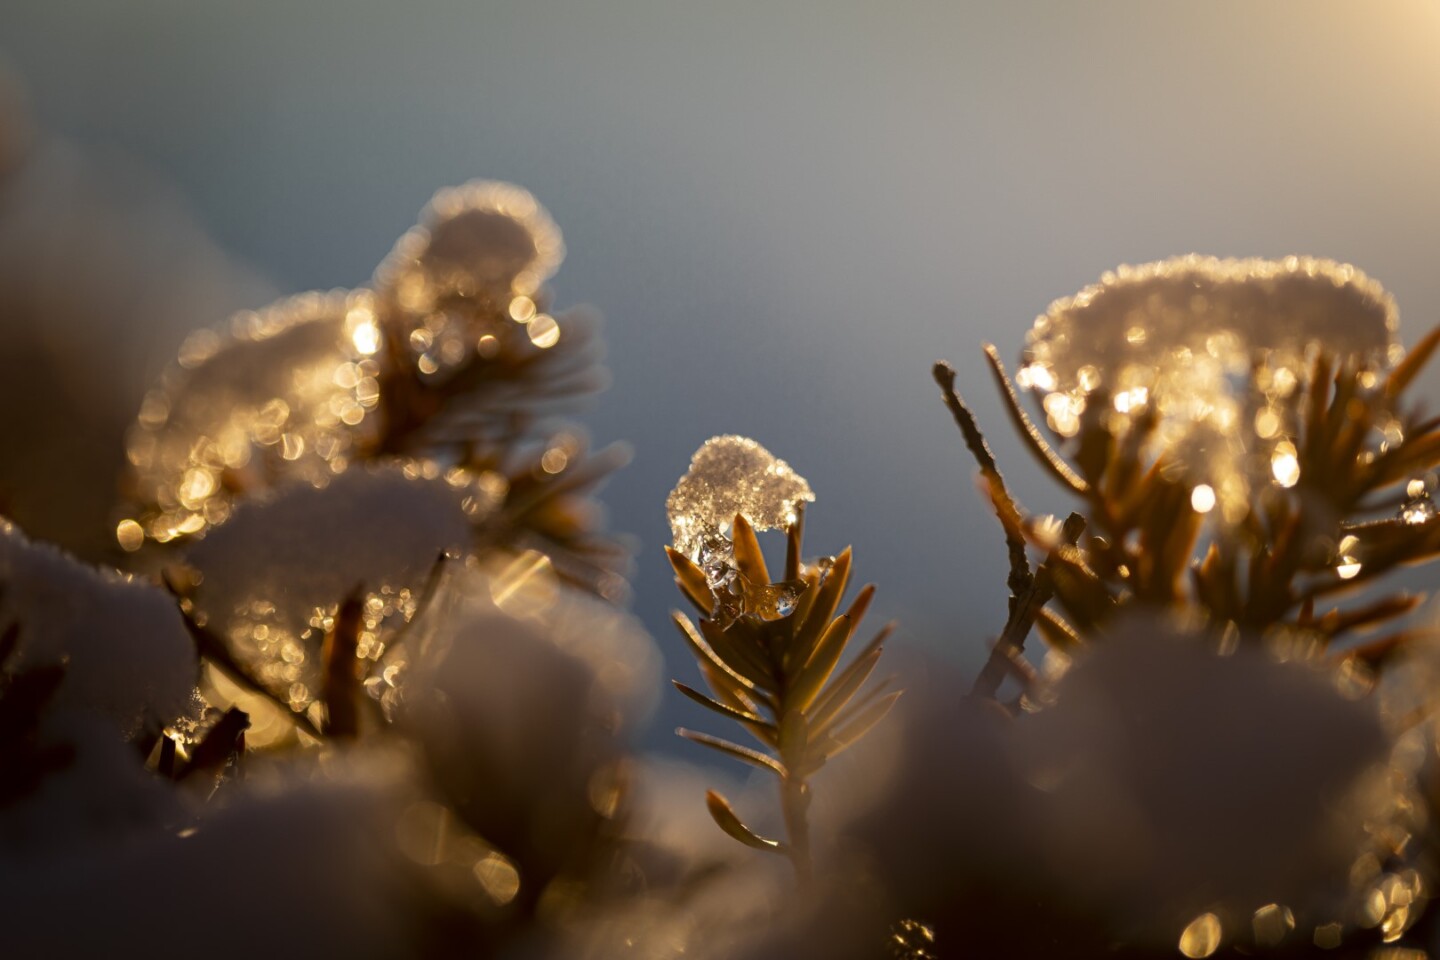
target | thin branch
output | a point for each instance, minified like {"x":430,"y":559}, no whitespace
{"x":213,"y":650}
{"x":1023,"y":613}
{"x":1005,"y":508}
{"x":1042,"y":450}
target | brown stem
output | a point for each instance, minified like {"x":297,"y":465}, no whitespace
{"x":342,"y":673}
{"x":1005,"y":508}
{"x":1024,"y":609}
{"x":213,"y":651}
{"x":795,"y":802}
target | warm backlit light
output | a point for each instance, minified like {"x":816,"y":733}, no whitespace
{"x":130,"y":535}
{"x":364,"y":333}
{"x":1202,"y":498}
{"x":497,"y":877}
{"x":1271,"y":924}
{"x":522,"y":309}
{"x":1285,"y":464}
{"x":544,"y":331}
{"x":1202,"y":937}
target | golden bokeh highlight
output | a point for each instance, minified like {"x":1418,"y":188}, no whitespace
{"x":1201,"y":936}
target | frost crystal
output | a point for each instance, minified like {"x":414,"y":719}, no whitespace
{"x":1212,"y":348}
{"x":272,"y":577}
{"x":485,"y":238}
{"x":478,"y":259}
{"x":730,"y":475}
{"x":1160,"y":313}
{"x":283,"y":394}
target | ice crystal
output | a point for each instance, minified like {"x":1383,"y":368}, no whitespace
{"x":1153,"y":314}
{"x":1211,"y":348}
{"x":302,"y":389}
{"x":730,"y":475}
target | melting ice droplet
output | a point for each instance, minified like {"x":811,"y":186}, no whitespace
{"x":730,"y":475}
{"x":1418,"y":507}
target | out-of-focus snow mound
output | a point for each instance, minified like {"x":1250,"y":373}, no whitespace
{"x":125,"y":649}
{"x":103,"y":272}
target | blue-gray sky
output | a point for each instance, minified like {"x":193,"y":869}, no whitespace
{"x":787,"y":211}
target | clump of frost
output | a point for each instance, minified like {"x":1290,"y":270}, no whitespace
{"x":278,"y":395}
{"x":270,"y":576}
{"x":730,"y":475}
{"x":1203,"y":355}
{"x":486,"y":239}
{"x":1158,"y":313}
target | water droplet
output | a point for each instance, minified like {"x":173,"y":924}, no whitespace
{"x":1419,"y":508}
{"x":773,"y":601}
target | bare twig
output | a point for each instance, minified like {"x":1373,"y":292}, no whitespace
{"x":1005,"y":507}
{"x":1042,"y":450}
{"x":213,"y":651}
{"x":1023,"y":612}
{"x":1029,"y":592}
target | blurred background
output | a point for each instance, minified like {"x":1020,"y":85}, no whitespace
{"x":785,"y":211}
